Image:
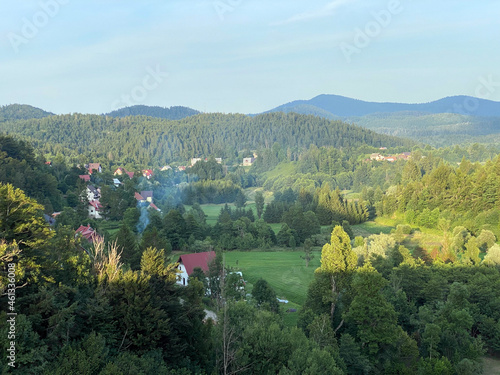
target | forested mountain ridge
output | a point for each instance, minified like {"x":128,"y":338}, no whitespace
{"x":347,"y":107}
{"x":172,"y":113}
{"x":448,"y":121}
{"x":21,"y":112}
{"x":154,"y":141}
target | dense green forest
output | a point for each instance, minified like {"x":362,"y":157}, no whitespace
{"x":155,"y":142}
{"x":378,"y":303}
{"x":172,"y":113}
{"x":21,"y":112}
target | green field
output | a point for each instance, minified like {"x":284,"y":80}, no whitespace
{"x":491,"y":366}
{"x":284,"y":270}
{"x":371,"y":227}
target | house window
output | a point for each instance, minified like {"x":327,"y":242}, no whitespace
{"x":183,"y":281}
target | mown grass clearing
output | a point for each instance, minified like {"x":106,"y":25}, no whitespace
{"x":371,"y":227}
{"x":285,"y":271}
{"x":282,"y":169}
{"x":491,"y":366}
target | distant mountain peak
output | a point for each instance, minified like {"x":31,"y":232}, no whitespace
{"x":337,"y":106}
{"x":22,"y":112}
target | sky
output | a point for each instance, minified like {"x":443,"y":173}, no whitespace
{"x":245,"y":56}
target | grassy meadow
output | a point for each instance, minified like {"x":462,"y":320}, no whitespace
{"x":285,"y":271}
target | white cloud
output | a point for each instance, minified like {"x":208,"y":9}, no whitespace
{"x":326,"y":11}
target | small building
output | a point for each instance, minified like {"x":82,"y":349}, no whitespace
{"x":94,"y":207}
{"x":94,"y":167}
{"x":85,"y":177}
{"x":148,"y":173}
{"x":188,"y":262}
{"x":147,"y":195}
{"x":88,"y":233}
{"x":119,"y":171}
{"x":391,"y":159}
{"x":92,"y":193}
{"x":165,"y":168}
{"x":181,"y":168}
{"x":194,"y":161}
{"x":117,"y":182}
{"x":377,"y":157}
{"x":218,"y":160}
{"x":248,"y":161}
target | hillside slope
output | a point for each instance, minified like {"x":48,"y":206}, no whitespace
{"x":151,"y":140}
{"x":21,"y":112}
{"x":172,"y":113}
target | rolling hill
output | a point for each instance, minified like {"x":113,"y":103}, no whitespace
{"x":21,"y":112}
{"x":439,"y":123}
{"x":172,"y":113}
{"x":341,"y":106}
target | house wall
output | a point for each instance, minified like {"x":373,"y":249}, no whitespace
{"x":182,"y":277}
{"x":93,"y":213}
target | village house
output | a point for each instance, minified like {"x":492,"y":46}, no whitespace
{"x":181,"y":168}
{"x":145,"y":199}
{"x":194,"y":161}
{"x":165,"y":168}
{"x":93,"y":193}
{"x":377,"y":157}
{"x":93,"y":208}
{"x":248,"y":161}
{"x":88,"y":233}
{"x":188,"y":262}
{"x":147,"y":195}
{"x":404,"y":156}
{"x":85,"y":177}
{"x":94,"y":167}
{"x":148,"y":173}
{"x":121,"y":171}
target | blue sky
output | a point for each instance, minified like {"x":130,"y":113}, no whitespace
{"x":243,"y":56}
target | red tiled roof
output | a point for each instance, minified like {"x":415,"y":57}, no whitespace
{"x":130,"y":174}
{"x":85,"y":177}
{"x":139,"y":197}
{"x":88,"y":233}
{"x":201,"y":260}
{"x":96,"y":204}
{"x":152,"y":205}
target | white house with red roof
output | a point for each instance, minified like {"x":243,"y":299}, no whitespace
{"x":188,"y":262}
{"x":94,"y":207}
